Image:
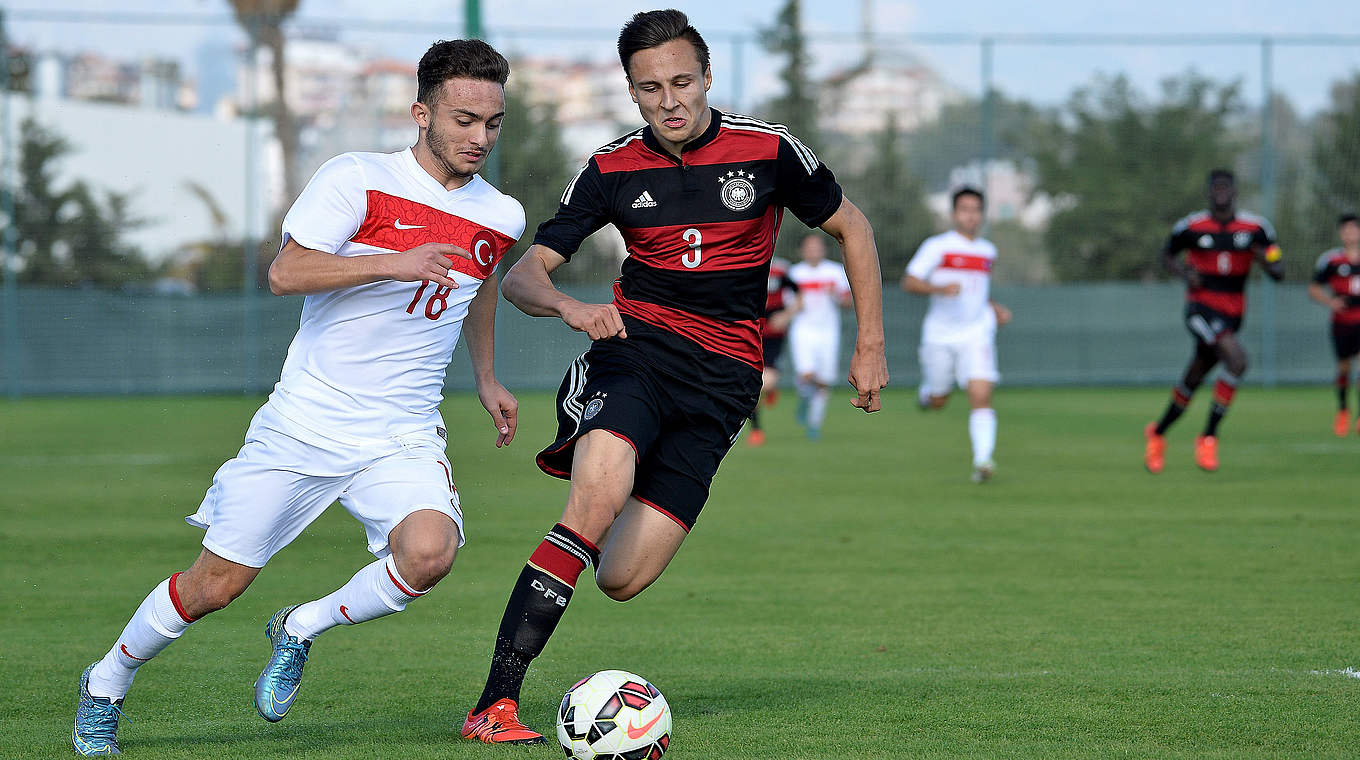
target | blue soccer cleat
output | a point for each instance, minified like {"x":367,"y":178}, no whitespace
{"x":277,"y":686}
{"x":96,"y":731}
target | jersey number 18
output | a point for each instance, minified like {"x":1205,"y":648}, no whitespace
{"x":439,"y":300}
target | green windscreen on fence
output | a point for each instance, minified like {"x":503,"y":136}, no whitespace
{"x":89,"y":341}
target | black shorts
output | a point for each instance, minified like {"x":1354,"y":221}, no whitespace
{"x":680,"y":410}
{"x":772,"y":348}
{"x":1207,"y":324}
{"x":1346,"y":340}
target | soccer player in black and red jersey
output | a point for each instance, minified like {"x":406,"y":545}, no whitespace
{"x":774,"y":331}
{"x":1336,"y":285}
{"x":646,"y":415}
{"x":1220,"y":245}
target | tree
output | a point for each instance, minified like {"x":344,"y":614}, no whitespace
{"x":71,"y":235}
{"x":954,"y":138}
{"x":796,"y":108}
{"x":1336,"y":152}
{"x":893,"y":199}
{"x":533,"y":161}
{"x":263,"y":22}
{"x":1126,"y":170}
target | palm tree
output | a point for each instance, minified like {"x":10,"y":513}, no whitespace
{"x":263,"y":22}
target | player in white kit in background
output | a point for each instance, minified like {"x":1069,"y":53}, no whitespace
{"x":958,"y":336}
{"x":815,"y":335}
{"x":393,"y":251}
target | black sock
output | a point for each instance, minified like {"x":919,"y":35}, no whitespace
{"x":537,"y":603}
{"x":755,"y":418}
{"x":1180,"y":398}
{"x":1341,"y":383}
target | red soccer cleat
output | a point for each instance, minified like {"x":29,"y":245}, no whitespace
{"x":756,"y":438}
{"x":1206,"y":453}
{"x":772,"y":397}
{"x":1342,"y":424}
{"x":499,"y":724}
{"x":1154,"y":454}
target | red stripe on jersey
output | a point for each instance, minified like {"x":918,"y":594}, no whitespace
{"x":815,"y":285}
{"x":400,"y":224}
{"x":1229,"y":304}
{"x":966,"y":261}
{"x":729,"y":146}
{"x":1211,"y":262}
{"x":721,"y":245}
{"x":739,"y":340}
{"x":735,"y":146}
{"x":1211,"y":225}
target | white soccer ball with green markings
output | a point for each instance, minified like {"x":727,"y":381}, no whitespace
{"x":614,"y":715}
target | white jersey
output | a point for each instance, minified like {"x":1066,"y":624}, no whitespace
{"x":368,"y":362}
{"x":952,"y":258}
{"x":821,"y":287}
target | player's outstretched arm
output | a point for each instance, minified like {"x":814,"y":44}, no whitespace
{"x":300,"y":271}
{"x":920,"y":287}
{"x":528,"y":285}
{"x":480,"y":329}
{"x":868,"y":365}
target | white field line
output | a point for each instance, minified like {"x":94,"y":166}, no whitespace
{"x":1347,"y":672}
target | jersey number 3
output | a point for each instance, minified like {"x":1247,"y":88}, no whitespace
{"x":695,"y":256}
{"x":439,"y":300}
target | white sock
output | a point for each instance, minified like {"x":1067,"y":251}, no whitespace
{"x":982,"y":429}
{"x":817,"y":408}
{"x":376,"y":590}
{"x":155,"y":624}
{"x":805,"y":389}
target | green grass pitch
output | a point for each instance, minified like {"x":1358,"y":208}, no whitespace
{"x":852,"y":598}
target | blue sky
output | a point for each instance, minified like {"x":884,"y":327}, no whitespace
{"x":1044,"y":73}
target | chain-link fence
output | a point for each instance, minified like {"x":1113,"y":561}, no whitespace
{"x":143,"y":182}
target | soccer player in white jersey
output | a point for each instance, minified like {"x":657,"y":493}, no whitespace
{"x":958,"y":336}
{"x":815,"y":334}
{"x":395,"y":252}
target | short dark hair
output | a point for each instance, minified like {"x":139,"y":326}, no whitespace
{"x":650,"y":29}
{"x":973,"y":191}
{"x":1347,"y":219}
{"x":455,"y":59}
{"x":1217,"y":174}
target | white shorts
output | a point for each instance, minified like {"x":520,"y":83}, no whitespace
{"x":943,"y":365}
{"x":816,"y":353}
{"x":284,"y":478}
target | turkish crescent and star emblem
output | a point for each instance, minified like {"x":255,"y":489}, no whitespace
{"x":400,"y":224}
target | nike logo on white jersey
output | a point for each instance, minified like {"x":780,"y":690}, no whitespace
{"x":401,"y":226}
{"x":644,"y":201}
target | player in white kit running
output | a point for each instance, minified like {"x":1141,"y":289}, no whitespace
{"x":958,"y":336}
{"x":394,"y":252}
{"x":815,"y":335}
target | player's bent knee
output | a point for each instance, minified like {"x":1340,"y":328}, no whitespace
{"x":622,"y":592}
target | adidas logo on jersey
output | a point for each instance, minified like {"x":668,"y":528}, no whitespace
{"x":644,"y":201}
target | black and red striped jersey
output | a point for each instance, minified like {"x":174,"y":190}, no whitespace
{"x":1336,"y":271}
{"x":1221,"y":254}
{"x":699,"y":229}
{"x":776,"y":286}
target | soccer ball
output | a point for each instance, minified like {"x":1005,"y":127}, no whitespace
{"x":614,"y":715}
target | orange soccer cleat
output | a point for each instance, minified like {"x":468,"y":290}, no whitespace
{"x":771,"y":397}
{"x":1154,"y":454}
{"x":1342,"y":424}
{"x":756,"y":438}
{"x":499,"y":724}
{"x":1206,"y":453}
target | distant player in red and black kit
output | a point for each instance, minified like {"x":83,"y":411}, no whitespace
{"x":1220,"y":245}
{"x":1336,"y":285}
{"x":774,"y":330}
{"x":646,"y":415}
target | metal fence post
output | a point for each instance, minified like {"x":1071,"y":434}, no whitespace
{"x":250,"y":247}
{"x":7,"y":243}
{"x":986,"y":117}
{"x":1269,"y":356}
